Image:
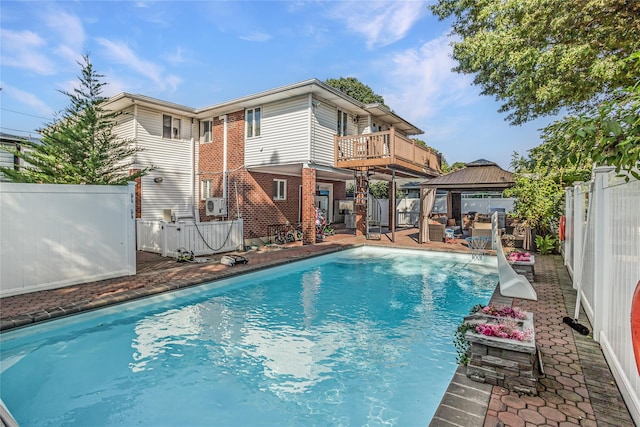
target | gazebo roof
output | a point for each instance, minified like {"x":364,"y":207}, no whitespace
{"x":476,"y":176}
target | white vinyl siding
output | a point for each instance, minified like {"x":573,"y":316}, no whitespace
{"x":284,"y":135}
{"x":172,"y":161}
{"x":324,"y":131}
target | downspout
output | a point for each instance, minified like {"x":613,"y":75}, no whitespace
{"x":194,"y":178}
{"x":311,"y":106}
{"x":135,"y":125}
{"x":224,"y":119}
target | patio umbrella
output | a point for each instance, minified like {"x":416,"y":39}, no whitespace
{"x":427,"y":199}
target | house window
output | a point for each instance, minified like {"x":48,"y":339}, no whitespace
{"x":279,"y":189}
{"x":342,"y":123}
{"x":253,"y":118}
{"x":170,"y":127}
{"x":205,"y":189}
{"x":206,"y":131}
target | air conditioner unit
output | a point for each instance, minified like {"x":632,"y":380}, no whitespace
{"x":216,"y":206}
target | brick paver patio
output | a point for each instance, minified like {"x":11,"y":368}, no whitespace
{"x":576,"y":390}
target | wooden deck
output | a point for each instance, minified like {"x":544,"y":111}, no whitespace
{"x":386,"y":150}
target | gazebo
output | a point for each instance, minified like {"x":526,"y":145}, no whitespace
{"x":480,"y":175}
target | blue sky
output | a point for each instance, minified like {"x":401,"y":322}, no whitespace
{"x":201,"y":53}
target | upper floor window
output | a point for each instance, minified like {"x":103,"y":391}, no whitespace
{"x":205,"y":189}
{"x":206,"y":131}
{"x":279,"y":189}
{"x":342,"y":122}
{"x":170,"y":127}
{"x":252,"y":119}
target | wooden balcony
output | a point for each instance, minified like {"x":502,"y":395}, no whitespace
{"x":384,"y":151}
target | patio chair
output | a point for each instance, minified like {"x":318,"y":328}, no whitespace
{"x":436,"y":232}
{"x":481,"y":229}
{"x":516,"y":238}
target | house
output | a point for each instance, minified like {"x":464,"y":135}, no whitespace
{"x":7,"y":159}
{"x":265,"y":157}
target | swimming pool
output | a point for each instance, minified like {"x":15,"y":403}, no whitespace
{"x":360,"y":337}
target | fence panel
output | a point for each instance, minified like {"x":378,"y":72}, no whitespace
{"x":55,"y":235}
{"x":202,"y":238}
{"x":606,"y":268}
{"x":567,"y":245}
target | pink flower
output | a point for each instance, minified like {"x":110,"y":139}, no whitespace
{"x":507,"y":329}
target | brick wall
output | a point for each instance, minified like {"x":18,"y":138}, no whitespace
{"x":308,"y":206}
{"x":254,"y":190}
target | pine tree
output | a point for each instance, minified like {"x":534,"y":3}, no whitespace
{"x":80,"y":147}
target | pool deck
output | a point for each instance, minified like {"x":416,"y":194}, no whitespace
{"x":577,"y":388}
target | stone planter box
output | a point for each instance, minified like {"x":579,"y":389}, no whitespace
{"x":526,"y":268}
{"x":503,"y":362}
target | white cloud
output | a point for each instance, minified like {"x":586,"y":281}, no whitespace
{"x":122,"y":54}
{"x":381,"y":23}
{"x":176,"y":57}
{"x":69,"y":31}
{"x":256,"y":37}
{"x":21,"y":49}
{"x":28,"y":99}
{"x":422,"y":82}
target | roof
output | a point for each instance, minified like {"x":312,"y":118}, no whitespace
{"x":8,"y":138}
{"x":312,"y":86}
{"x":478,"y":175}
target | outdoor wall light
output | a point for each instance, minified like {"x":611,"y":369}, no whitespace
{"x":158,"y":179}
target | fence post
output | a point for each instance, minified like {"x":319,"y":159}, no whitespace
{"x":578,"y":227}
{"x":163,"y":238}
{"x":181,"y":235}
{"x":131,"y":227}
{"x":601,"y":249}
{"x":568,"y":243}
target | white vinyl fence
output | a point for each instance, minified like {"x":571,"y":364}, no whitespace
{"x":202,"y":238}
{"x":55,"y":235}
{"x":602,"y":253}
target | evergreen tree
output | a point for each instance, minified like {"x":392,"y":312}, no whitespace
{"x":356,"y":89}
{"x":80,"y":147}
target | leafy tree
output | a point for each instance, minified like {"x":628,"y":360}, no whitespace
{"x":538,"y":57}
{"x":457,"y":166}
{"x":378,"y":189}
{"x":539,"y":193}
{"x":80,"y":147}
{"x":356,"y":89}
{"x":610,"y":135}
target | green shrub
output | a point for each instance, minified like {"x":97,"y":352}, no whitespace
{"x":546,"y":244}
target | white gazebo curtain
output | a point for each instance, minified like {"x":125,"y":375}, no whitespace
{"x":427,"y":199}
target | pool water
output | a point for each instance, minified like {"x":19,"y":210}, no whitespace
{"x":361,"y":337}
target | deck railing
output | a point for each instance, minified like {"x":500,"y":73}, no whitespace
{"x":386,"y":148}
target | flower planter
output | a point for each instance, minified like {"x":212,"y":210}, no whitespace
{"x":505,"y":362}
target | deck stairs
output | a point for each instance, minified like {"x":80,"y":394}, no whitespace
{"x":373,"y":207}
